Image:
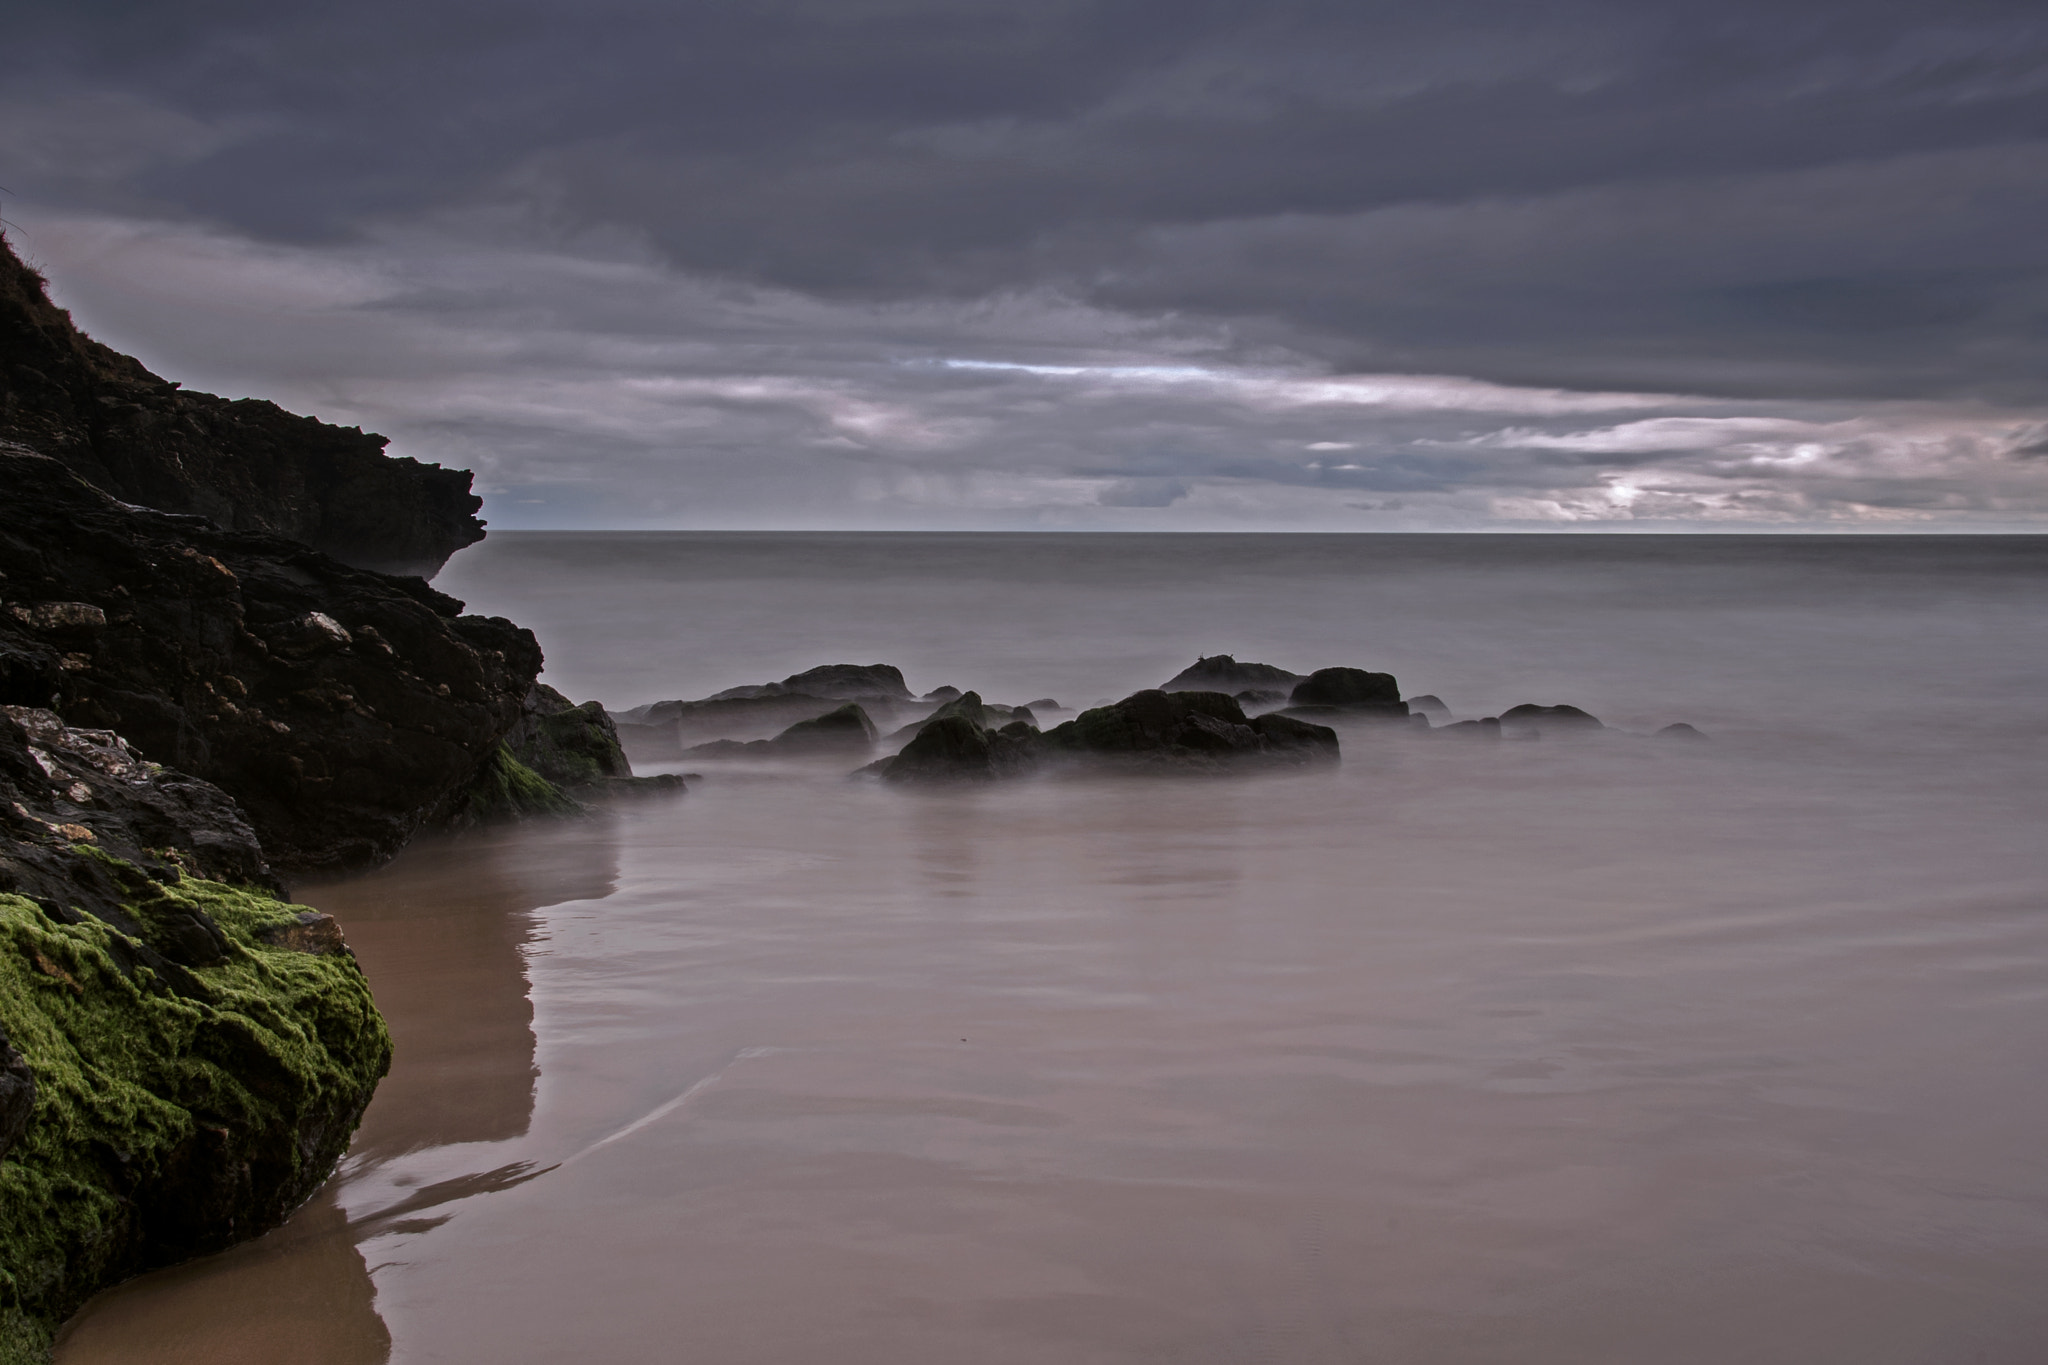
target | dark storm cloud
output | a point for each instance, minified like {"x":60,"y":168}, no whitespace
{"x":1803,"y":202}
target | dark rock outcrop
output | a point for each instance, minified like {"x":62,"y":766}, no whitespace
{"x":844,"y":732}
{"x":1222,"y":673}
{"x":954,"y":749}
{"x":247,"y":465}
{"x":850,"y":682}
{"x":1537,"y":722}
{"x":1152,"y":731}
{"x":1681,"y":732}
{"x":575,"y":749}
{"x":1187,"y":731}
{"x":337,"y":706}
{"x":1431,"y":706}
{"x":183,"y":1057}
{"x":666,"y":730}
{"x":1353,"y":689}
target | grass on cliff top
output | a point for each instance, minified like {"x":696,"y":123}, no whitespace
{"x":127,"y":1073}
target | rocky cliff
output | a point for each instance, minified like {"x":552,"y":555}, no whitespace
{"x":247,"y":464}
{"x":341,"y":708}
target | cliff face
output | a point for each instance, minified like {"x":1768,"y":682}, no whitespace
{"x":247,"y":465}
{"x":340,"y":708}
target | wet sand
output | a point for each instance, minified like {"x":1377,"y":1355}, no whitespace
{"x":1372,"y":1065}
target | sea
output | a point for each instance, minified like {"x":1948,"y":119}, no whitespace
{"x":1563,"y":1052}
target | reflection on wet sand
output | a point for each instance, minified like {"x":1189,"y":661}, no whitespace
{"x":442,"y":934}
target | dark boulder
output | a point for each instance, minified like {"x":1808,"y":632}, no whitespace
{"x":846,"y":730}
{"x":843,"y":732}
{"x":1537,"y":722}
{"x":941,"y":694}
{"x":1488,"y":728}
{"x":245,"y":464}
{"x":1352,"y":689}
{"x":665,"y":730}
{"x":1222,"y":673}
{"x":954,"y":749}
{"x":850,"y":682}
{"x":967,"y":706}
{"x":1042,"y":704}
{"x":1186,"y":730}
{"x":338,"y":707}
{"x":1681,"y":732}
{"x":1430,"y":706}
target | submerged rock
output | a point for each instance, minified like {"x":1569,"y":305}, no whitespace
{"x":1153,"y":731}
{"x":966,"y":705}
{"x":955,"y":749}
{"x":1352,"y":689}
{"x":666,"y":730}
{"x":845,"y":731}
{"x":1222,"y":673}
{"x":1430,"y":706}
{"x":1188,"y":730}
{"x":1536,"y":722}
{"x":850,"y":682}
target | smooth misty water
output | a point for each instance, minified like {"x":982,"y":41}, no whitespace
{"x":1533,"y":1053}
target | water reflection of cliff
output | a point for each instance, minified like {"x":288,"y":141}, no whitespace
{"x":441,"y":933}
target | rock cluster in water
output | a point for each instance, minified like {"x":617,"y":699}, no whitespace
{"x":1275,"y":718}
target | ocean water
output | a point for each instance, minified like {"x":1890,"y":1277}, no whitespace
{"x":1616,"y":1051}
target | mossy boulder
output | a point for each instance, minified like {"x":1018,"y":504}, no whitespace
{"x":506,"y":789}
{"x":569,"y":745}
{"x":166,"y":1117}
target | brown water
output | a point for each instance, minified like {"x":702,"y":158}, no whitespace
{"x":1522,"y":1053}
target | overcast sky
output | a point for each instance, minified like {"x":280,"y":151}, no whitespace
{"x":1083,"y":263}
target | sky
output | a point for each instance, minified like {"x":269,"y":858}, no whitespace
{"x":1078,"y":264}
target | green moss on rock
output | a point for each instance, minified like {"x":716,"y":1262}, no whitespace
{"x":506,"y":789}
{"x":167,"y":1123}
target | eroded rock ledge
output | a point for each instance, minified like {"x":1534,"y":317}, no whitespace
{"x":247,"y":465}
{"x":340,"y":708}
